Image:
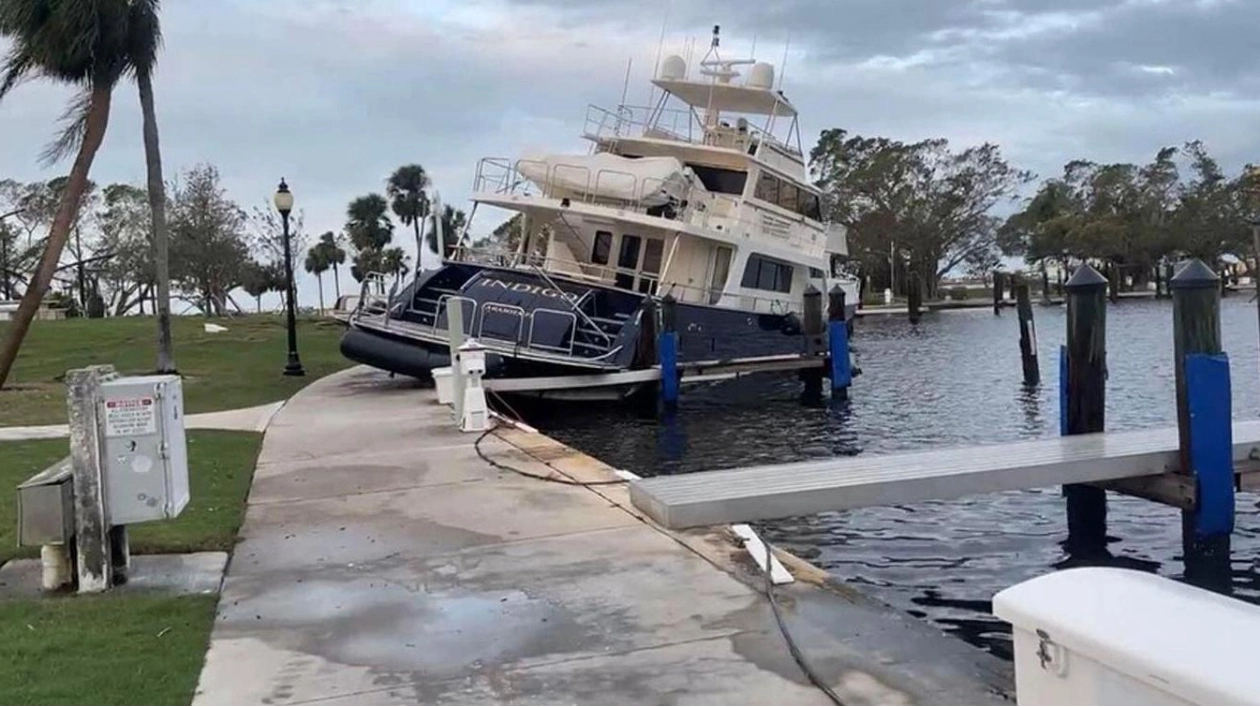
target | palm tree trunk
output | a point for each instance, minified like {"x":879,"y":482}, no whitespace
{"x":319,"y":278}
{"x":157,"y":210}
{"x":336,"y":281}
{"x":67,"y":210}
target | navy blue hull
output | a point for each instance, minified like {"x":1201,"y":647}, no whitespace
{"x":516,"y":313}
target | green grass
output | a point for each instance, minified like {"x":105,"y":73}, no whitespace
{"x":104,"y":650}
{"x":240,"y":367}
{"x":220,"y":468}
{"x":122,"y":648}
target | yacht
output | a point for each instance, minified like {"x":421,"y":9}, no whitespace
{"x":700,"y":198}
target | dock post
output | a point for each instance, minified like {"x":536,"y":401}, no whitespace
{"x":667,"y":350}
{"x":92,"y":549}
{"x":1045,"y":284}
{"x":1203,"y":423}
{"x":838,"y":341}
{"x":1027,"y":333}
{"x":813,"y":328}
{"x":914,"y":296}
{"x":997,"y":292}
{"x":1086,"y":401}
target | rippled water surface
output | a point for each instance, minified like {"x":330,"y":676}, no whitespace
{"x":954,"y":379}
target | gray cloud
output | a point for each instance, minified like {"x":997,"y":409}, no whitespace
{"x":333,"y":94}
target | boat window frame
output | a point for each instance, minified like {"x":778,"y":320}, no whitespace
{"x":767,"y":274}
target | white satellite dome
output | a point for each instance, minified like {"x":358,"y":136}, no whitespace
{"x":674,"y":68}
{"x":761,"y":76}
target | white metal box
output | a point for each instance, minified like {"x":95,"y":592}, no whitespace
{"x":144,"y":453}
{"x":1105,"y":636}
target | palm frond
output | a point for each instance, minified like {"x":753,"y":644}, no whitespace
{"x":18,"y":65}
{"x":74,"y":124}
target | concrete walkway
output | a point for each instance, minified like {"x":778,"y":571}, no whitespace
{"x":383,"y":561}
{"x":253,"y":419}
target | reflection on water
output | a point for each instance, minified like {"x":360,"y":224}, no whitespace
{"x":954,"y":379}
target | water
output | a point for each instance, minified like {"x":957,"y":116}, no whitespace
{"x":955,"y":379}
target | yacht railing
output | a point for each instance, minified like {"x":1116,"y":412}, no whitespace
{"x":499,"y":175}
{"x":679,"y":125}
{"x":606,"y":276}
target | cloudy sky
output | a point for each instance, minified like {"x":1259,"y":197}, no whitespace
{"x":333,"y":94}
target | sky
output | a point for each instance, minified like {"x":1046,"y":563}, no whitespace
{"x":334,"y":94}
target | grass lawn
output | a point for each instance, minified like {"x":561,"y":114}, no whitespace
{"x":105,"y":650}
{"x":122,"y":649}
{"x":240,"y":367}
{"x":221,"y":465}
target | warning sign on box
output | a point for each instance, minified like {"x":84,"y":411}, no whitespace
{"x":129,"y":417}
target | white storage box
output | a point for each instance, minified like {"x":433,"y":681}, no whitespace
{"x":445,"y":386}
{"x":1104,"y":636}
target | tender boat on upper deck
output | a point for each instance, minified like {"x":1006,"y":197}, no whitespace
{"x":702,"y":197}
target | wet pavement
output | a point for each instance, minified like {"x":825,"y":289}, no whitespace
{"x":383,"y":561}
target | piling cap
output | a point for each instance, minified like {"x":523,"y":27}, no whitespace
{"x":837,"y":289}
{"x":1194,"y":275}
{"x":811,"y":290}
{"x":1086,"y":278}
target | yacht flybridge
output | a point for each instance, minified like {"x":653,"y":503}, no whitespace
{"x":702,"y":197}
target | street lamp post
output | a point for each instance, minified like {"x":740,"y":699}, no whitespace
{"x":284,"y":204}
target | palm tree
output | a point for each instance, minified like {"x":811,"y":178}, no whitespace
{"x":405,"y":189}
{"x":394,"y":261}
{"x":145,"y":39}
{"x":317,"y":262}
{"x":84,"y":43}
{"x":370,"y":230}
{"x":335,"y":254}
{"x":453,"y":222}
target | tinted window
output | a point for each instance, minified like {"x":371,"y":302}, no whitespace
{"x":810,"y":207}
{"x":652,"y":256}
{"x":602,"y":249}
{"x":789,"y":196}
{"x":722,"y":181}
{"x":765,"y":274}
{"x":768,"y":188}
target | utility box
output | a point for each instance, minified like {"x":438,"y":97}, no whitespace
{"x":1105,"y":636}
{"x":46,"y":506}
{"x":144,"y":455}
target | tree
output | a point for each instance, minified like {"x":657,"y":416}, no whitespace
{"x":453,"y":222}
{"x":317,"y":262}
{"x":405,"y":189}
{"x":258,"y":279}
{"x":334,"y":254}
{"x":144,"y":40}
{"x":269,"y":235}
{"x":123,"y":223}
{"x":83,"y":43}
{"x":394,"y":261}
{"x":208,"y":244}
{"x":917,"y":207}
{"x":370,"y":230}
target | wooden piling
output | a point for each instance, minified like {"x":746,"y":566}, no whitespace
{"x":838,"y":343}
{"x":1086,"y":385}
{"x":914,"y":296}
{"x":813,"y":327}
{"x":1045,"y":284}
{"x":1027,"y":333}
{"x":667,"y":350}
{"x":997,"y":292}
{"x":1203,"y":414}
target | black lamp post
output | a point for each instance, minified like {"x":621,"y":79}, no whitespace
{"x":284,"y":204}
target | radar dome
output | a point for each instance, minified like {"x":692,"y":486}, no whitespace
{"x":674,"y":68}
{"x":761,"y":76}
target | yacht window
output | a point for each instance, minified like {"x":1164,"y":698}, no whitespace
{"x":721,"y":181}
{"x":768,"y":188}
{"x":810,"y":208}
{"x":765,"y":274}
{"x":815,"y":273}
{"x":602,"y":249}
{"x":789,"y":197}
{"x":652,"y":251}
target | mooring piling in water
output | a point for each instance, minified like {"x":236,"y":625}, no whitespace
{"x":1027,"y":333}
{"x":838,"y":342}
{"x":667,"y":350}
{"x":914,"y":297}
{"x":1203,"y":423}
{"x":813,"y":327}
{"x":997,"y":292}
{"x":1084,"y":394}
